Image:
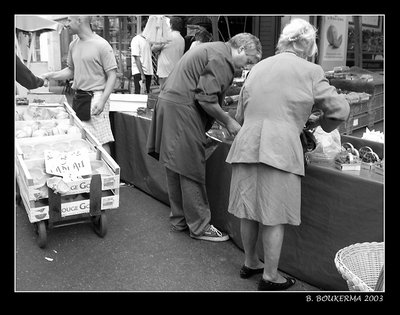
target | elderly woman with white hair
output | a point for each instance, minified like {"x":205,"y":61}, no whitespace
{"x":267,"y":156}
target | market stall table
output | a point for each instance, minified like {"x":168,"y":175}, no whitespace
{"x":338,"y":208}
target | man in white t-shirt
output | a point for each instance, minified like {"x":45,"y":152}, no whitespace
{"x":142,"y":66}
{"x":171,"y":52}
{"x":92,"y":64}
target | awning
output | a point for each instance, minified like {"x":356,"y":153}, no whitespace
{"x":34,"y":23}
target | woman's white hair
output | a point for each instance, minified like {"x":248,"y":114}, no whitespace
{"x":299,"y":36}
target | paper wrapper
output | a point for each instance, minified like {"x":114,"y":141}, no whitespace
{"x":58,"y":185}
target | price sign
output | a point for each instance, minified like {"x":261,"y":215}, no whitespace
{"x":70,"y":165}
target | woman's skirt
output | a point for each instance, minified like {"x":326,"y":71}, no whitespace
{"x":265,"y":194}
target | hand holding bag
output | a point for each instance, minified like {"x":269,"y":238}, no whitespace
{"x":81,"y":104}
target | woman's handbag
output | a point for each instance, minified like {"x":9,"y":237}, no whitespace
{"x":308,"y":142}
{"x":81,"y":104}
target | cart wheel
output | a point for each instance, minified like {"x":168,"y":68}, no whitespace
{"x":40,"y":229}
{"x":100,"y":224}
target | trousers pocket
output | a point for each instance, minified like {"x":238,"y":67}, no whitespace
{"x":81,"y":104}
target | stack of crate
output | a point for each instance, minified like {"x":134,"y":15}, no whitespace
{"x":364,"y":113}
{"x":30,"y":165}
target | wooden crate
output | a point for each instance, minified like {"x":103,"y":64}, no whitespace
{"x":355,"y":122}
{"x":74,"y":202}
{"x":360,"y":107}
{"x":379,"y":114}
{"x":377,"y":100}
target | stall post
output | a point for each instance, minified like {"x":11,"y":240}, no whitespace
{"x":357,"y":41}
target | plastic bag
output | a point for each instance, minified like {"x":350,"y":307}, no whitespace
{"x":328,"y":146}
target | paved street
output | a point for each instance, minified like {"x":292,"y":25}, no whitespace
{"x":138,"y":253}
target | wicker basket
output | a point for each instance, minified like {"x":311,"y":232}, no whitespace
{"x":360,"y":265}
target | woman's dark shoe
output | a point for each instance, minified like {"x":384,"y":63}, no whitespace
{"x":246,"y":272}
{"x":265,"y":285}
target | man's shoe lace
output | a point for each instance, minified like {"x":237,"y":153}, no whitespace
{"x":214,"y":230}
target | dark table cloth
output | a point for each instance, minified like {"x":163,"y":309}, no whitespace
{"x":338,"y":208}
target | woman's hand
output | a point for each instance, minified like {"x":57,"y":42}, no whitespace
{"x":314,"y":120}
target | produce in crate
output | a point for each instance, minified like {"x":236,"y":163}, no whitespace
{"x":81,"y":144}
{"x":370,"y":157}
{"x":38,"y":150}
{"x":45,"y":128}
{"x":33,"y":112}
{"x":98,"y":167}
{"x":347,"y":146}
{"x":38,"y":176}
{"x":363,"y":150}
{"x":346,"y":157}
{"x":347,"y":161}
{"x":73,"y":130}
{"x":40,"y":133}
{"x":61,"y":146}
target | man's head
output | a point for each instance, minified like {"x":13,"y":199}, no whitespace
{"x":77,"y":23}
{"x":246,"y":50}
{"x":176,"y":23}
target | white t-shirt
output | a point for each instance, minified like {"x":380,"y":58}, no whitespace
{"x":89,"y":60}
{"x":141,"y":47}
{"x":170,"y":54}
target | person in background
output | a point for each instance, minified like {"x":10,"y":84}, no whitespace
{"x":171,"y":52}
{"x":202,"y":36}
{"x":93,"y":67}
{"x":142,"y":64}
{"x":25,"y":77}
{"x":188,"y":104}
{"x":267,"y":156}
{"x":195,"y":25}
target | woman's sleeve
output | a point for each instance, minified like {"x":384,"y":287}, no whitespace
{"x":214,"y":81}
{"x":25,"y":77}
{"x":334,"y":106}
{"x":241,"y":106}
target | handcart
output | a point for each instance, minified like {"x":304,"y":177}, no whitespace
{"x":85,"y":199}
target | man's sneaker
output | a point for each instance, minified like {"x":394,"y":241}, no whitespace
{"x":212,"y":234}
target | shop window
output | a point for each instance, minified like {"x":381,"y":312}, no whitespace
{"x":372,"y":45}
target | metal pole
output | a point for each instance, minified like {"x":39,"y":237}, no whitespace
{"x":358,"y":60}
